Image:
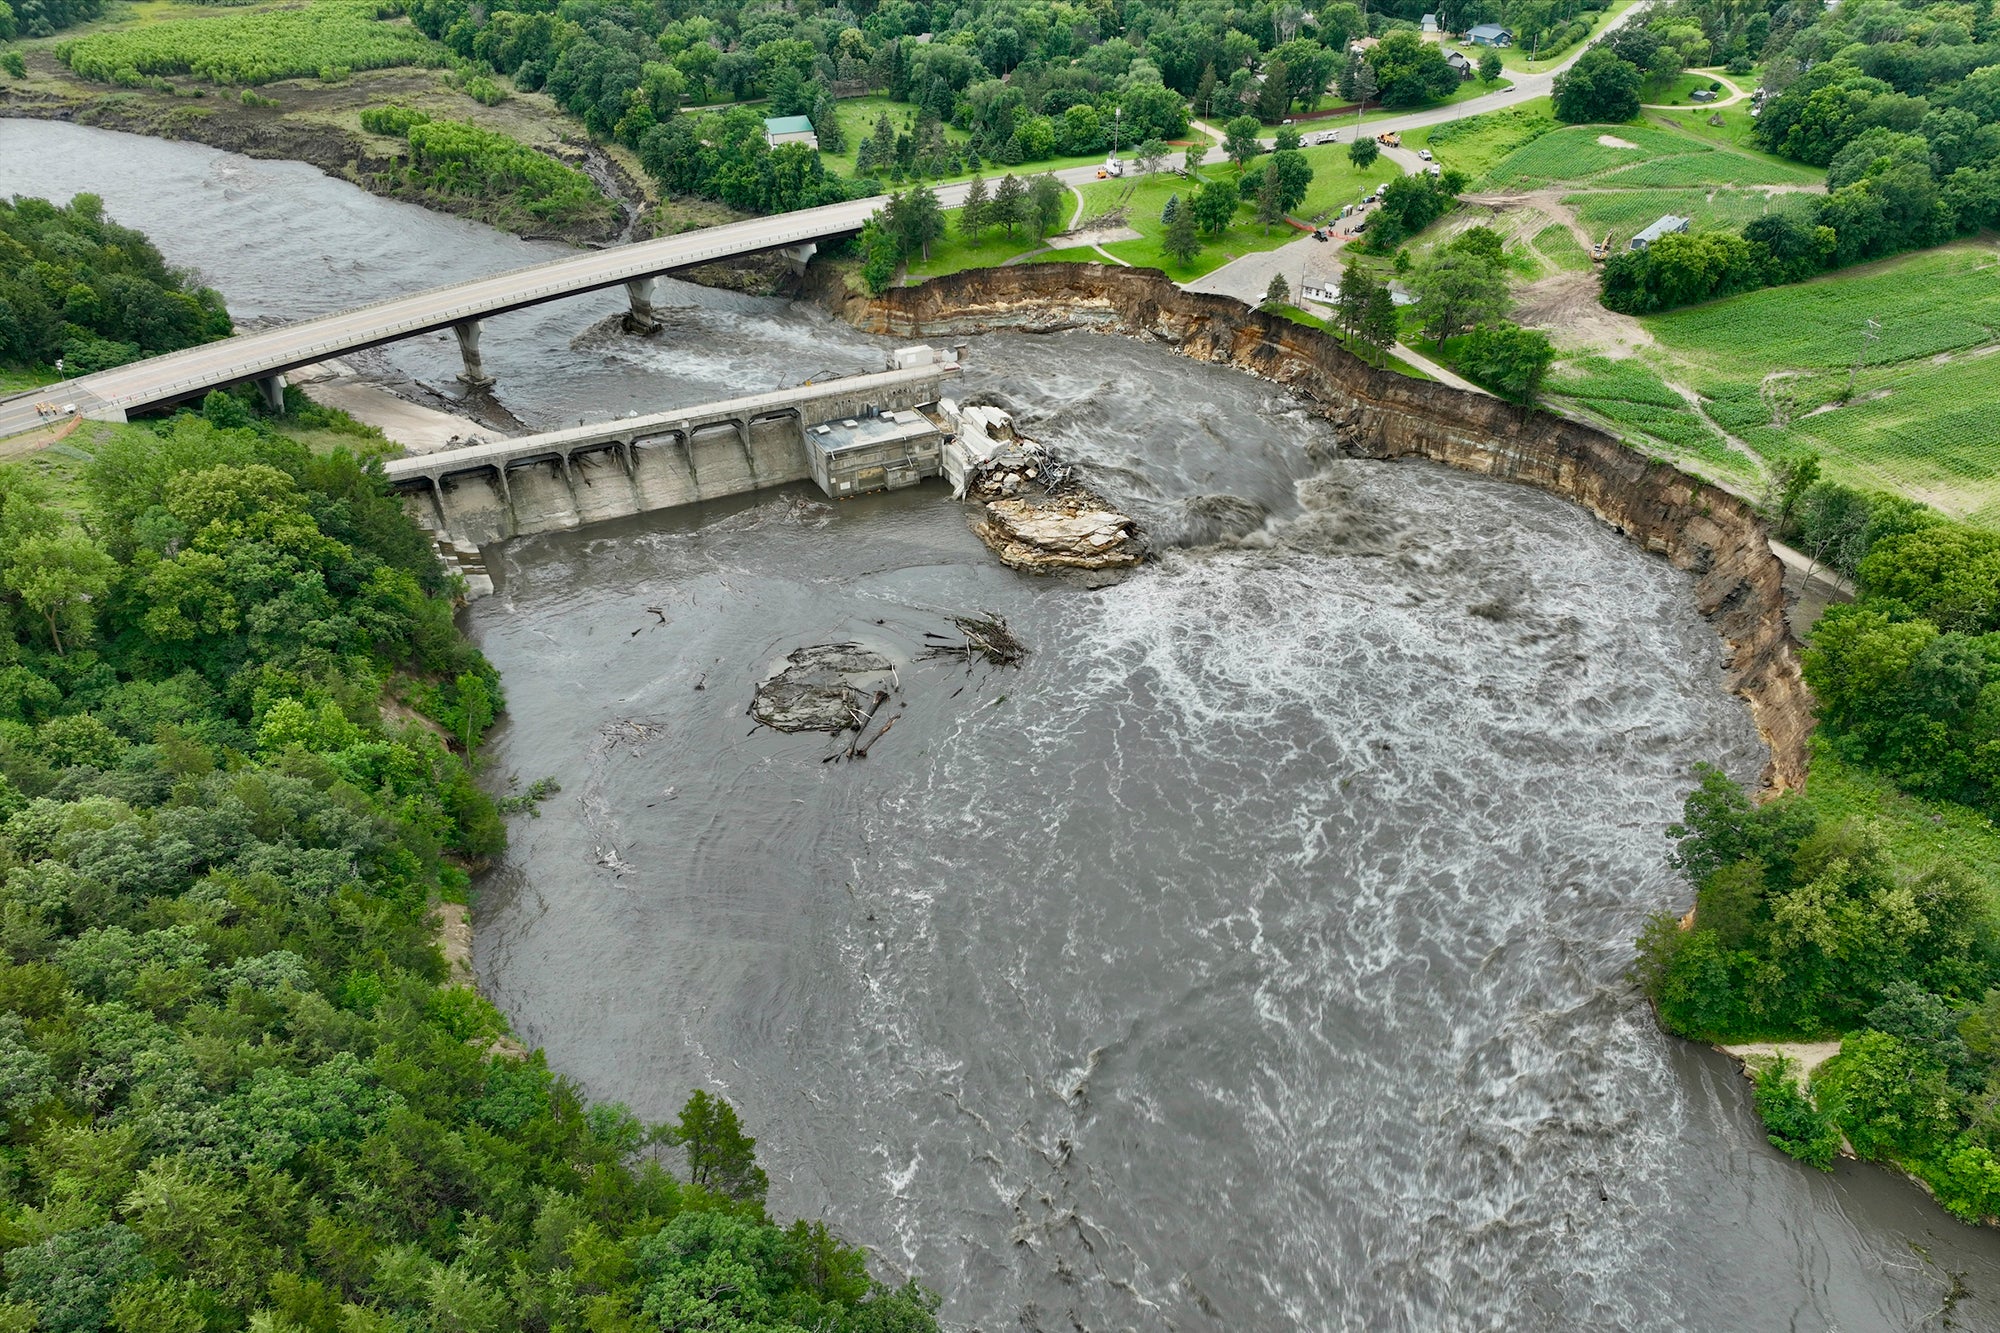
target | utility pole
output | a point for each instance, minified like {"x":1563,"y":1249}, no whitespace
{"x":1870,"y":332}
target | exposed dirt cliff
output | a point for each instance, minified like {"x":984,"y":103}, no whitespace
{"x":1380,"y":414}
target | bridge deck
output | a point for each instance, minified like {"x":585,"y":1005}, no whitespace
{"x":192,"y":372}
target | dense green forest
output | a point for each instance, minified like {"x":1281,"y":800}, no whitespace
{"x":1809,"y":924}
{"x":240,"y":1087}
{"x":1901,"y":104}
{"x":1024,"y":83}
{"x":76,"y":286}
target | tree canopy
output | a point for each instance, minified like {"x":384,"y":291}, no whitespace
{"x":77,"y":286}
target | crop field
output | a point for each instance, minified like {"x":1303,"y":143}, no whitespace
{"x":1559,"y":246}
{"x":1635,"y":398}
{"x":249,"y":49}
{"x":1936,"y":301}
{"x":1624,"y":212}
{"x":1773,"y":369}
{"x":1574,"y":154}
{"x":1710,"y":168}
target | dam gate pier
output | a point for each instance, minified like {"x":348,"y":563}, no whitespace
{"x":851,"y":435}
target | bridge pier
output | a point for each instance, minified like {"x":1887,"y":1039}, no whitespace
{"x":272,"y":389}
{"x":474,"y":375}
{"x":640,"y":319}
{"x":798,"y":256}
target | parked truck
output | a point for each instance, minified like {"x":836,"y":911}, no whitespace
{"x":1390,"y":140}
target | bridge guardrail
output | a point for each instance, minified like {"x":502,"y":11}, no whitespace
{"x":547,"y":291}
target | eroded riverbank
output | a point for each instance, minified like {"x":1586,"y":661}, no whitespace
{"x":1382,"y":415}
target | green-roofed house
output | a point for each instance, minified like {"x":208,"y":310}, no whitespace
{"x":789,"y":129}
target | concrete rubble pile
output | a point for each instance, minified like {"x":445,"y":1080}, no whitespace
{"x":1037,"y":516}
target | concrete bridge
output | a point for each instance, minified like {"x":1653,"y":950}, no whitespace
{"x":264,"y":356}
{"x":562,"y":479}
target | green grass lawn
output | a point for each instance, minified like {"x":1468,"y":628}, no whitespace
{"x":1475,"y":144}
{"x":955,"y":252}
{"x":1523,"y":60}
{"x":1674,"y":92}
{"x":857,"y":121}
{"x":1336,"y":181}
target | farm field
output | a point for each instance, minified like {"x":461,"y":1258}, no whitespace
{"x":1772,"y":368}
{"x":1635,"y":400}
{"x":1625,"y":212}
{"x":1577,"y":153}
{"x":1619,"y":178}
{"x":251,"y":48}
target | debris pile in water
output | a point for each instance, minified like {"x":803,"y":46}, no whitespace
{"x":1037,"y":515}
{"x":1075,"y":530}
{"x":984,"y":637}
{"x":824,"y":687}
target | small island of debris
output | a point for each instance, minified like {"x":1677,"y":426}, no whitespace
{"x":1036,"y":515}
{"x":824,"y":687}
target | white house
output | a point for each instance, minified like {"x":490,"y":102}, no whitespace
{"x":1432,"y":31}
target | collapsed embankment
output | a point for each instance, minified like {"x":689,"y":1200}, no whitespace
{"x":1380,"y":414}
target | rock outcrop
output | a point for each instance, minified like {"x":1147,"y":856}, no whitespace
{"x":1070,"y":531}
{"x":1380,"y":414}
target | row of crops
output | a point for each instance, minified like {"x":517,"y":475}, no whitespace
{"x":1623,"y":212}
{"x":1576,"y":154}
{"x":248,"y":49}
{"x":1626,"y":176}
{"x":1773,"y":368}
{"x":1936,"y":301}
{"x":1634,"y":398}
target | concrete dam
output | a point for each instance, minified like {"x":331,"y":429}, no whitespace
{"x":851,"y":435}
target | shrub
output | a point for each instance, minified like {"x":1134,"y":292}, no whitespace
{"x":391,"y":119}
{"x":1890,"y":1099}
{"x":1795,"y":1125}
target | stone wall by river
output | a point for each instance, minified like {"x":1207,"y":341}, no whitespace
{"x":1382,"y":414}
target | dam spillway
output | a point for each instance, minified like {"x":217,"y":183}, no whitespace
{"x":554,"y":480}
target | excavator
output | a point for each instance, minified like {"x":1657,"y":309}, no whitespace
{"x":1601,"y":249}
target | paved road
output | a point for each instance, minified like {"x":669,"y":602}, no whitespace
{"x":190,"y":373}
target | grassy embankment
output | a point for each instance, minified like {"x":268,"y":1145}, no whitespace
{"x":181,"y":71}
{"x":1335,"y":181}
